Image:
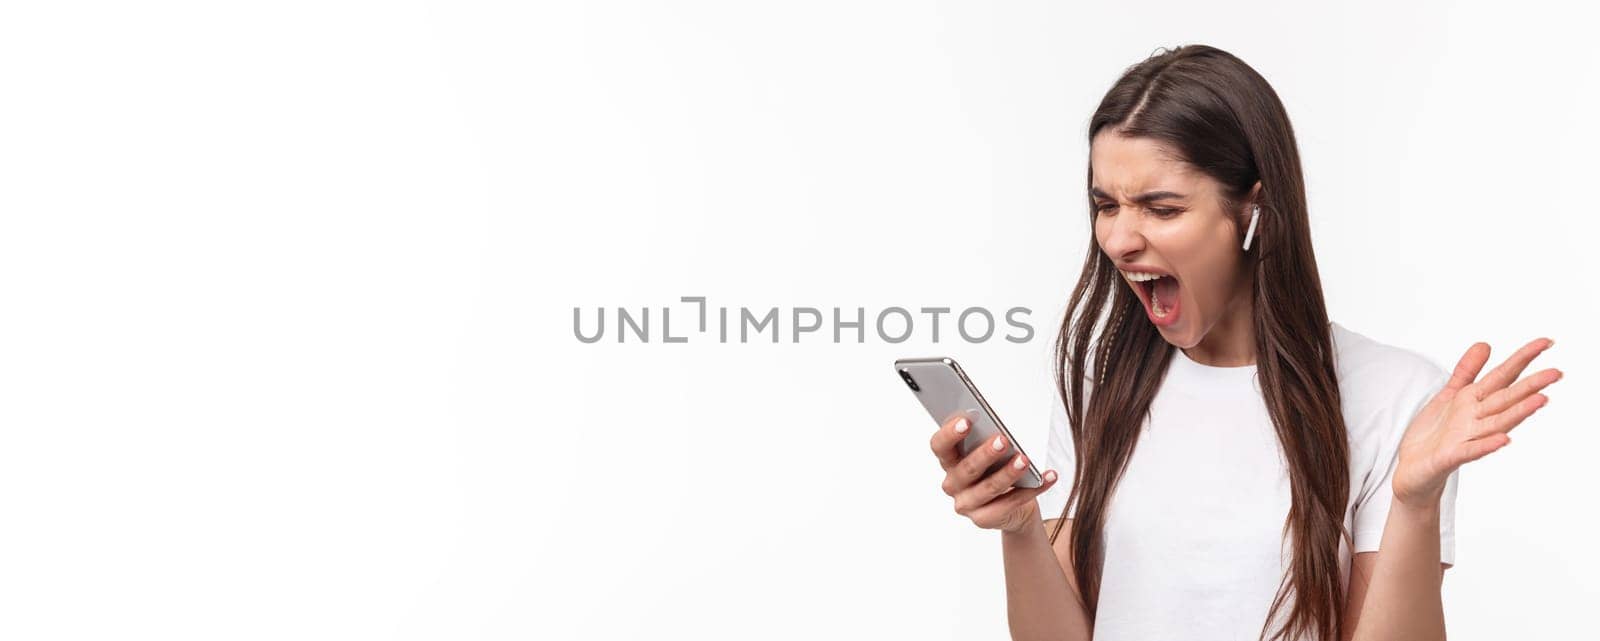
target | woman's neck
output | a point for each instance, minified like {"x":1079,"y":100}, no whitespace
{"x":1232,"y":341}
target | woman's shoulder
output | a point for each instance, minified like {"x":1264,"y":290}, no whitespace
{"x":1375,"y":375}
{"x":1354,"y":351}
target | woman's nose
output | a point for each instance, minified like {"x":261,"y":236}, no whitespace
{"x":1123,"y":237}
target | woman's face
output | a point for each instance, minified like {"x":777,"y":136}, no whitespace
{"x":1156,"y":215}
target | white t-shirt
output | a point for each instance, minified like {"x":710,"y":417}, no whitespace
{"x":1194,"y":543}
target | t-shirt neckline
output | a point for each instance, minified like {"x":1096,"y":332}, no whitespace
{"x":1191,"y":369}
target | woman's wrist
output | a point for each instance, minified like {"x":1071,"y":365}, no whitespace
{"x":1421,"y":507}
{"x":1031,"y":527}
{"x":1417,"y":497}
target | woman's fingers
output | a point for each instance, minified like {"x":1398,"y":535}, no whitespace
{"x":988,"y":499}
{"x":1468,"y":367}
{"x":1504,"y":421}
{"x":1469,"y":451}
{"x":972,"y":466}
{"x":1499,"y":377}
{"x":995,"y":513}
{"x":993,"y":485}
{"x":945,"y":442}
{"x":1499,"y":401}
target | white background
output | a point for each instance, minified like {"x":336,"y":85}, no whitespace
{"x":286,"y":345}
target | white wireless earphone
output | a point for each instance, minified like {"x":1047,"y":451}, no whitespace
{"x":1255,"y":215}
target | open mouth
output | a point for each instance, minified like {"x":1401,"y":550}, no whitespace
{"x":1159,"y":293}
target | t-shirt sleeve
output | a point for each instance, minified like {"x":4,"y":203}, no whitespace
{"x":1377,"y":494}
{"x":1061,"y":458}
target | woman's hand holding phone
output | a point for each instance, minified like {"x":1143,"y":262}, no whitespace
{"x":989,"y":501}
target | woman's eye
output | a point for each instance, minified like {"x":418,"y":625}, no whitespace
{"x":1159,"y":212}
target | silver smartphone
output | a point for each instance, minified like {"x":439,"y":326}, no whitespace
{"x":945,"y":391}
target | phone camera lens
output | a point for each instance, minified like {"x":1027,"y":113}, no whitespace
{"x":910,"y":382}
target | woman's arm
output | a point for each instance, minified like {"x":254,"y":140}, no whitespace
{"x":1042,"y":600}
{"x":1394,"y":593}
{"x":1467,"y":420}
{"x":1042,"y":603}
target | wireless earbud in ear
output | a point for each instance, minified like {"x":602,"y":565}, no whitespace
{"x":1255,"y":215}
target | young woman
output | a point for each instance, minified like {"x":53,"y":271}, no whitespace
{"x":1240,"y":467}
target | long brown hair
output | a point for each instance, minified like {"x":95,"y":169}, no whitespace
{"x":1224,"y":119}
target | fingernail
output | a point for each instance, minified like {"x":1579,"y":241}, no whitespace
{"x":1019,"y":463}
{"x":962,"y":426}
{"x":1050,"y":476}
{"x":999,"y":443}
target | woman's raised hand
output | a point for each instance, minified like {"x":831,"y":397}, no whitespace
{"x":989,"y":501}
{"x":1468,"y":419}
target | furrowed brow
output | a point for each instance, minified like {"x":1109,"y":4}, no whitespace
{"x":1144,"y":198}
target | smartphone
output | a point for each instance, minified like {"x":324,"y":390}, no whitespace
{"x":945,"y":391}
